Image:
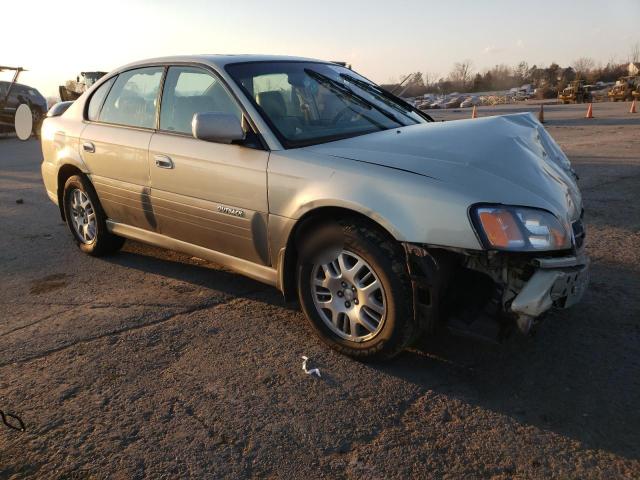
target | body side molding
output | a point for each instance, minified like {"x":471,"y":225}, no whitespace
{"x":260,"y":273}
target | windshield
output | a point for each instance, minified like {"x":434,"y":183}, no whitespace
{"x":307,"y":103}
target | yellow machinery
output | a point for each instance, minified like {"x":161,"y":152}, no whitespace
{"x":576,"y":92}
{"x":624,"y":89}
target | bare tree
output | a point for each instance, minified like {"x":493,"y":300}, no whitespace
{"x":634,"y":53}
{"x":583,"y":66}
{"x":429,"y":78}
{"x":462,"y":73}
{"x":521,"y":71}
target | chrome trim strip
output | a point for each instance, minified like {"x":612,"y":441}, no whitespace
{"x":260,"y":273}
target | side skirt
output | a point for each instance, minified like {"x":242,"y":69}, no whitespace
{"x":260,"y":273}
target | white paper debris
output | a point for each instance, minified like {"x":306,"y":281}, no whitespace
{"x":309,"y":371}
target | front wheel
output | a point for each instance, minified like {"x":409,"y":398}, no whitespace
{"x":358,"y":296}
{"x":86,"y":219}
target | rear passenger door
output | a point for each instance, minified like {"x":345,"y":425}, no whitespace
{"x":209,"y":194}
{"x":122,"y":117}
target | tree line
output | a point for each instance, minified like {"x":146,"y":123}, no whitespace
{"x":548,"y":80}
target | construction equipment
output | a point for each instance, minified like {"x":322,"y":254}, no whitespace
{"x":404,"y":85}
{"x":624,"y":88}
{"x":576,"y":92}
{"x":72,"y":89}
{"x":636,"y":92}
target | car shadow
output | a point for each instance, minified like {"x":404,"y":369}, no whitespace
{"x":194,"y":271}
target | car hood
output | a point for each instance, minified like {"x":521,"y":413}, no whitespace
{"x":508,"y":159}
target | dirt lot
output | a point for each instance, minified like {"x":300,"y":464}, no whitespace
{"x":152,"y":364}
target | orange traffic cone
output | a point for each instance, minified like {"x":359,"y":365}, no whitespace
{"x":541,"y":114}
{"x":589,"y":111}
{"x":474,"y":113}
{"x":633,"y":107}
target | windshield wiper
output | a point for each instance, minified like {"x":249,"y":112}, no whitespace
{"x":347,"y":91}
{"x":389,"y":96}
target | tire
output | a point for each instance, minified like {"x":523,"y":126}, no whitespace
{"x":38,"y":117}
{"x":385,"y":259}
{"x":90,"y":233}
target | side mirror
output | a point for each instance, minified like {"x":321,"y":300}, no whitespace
{"x":217,"y":127}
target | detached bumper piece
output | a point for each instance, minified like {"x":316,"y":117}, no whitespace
{"x":559,"y":282}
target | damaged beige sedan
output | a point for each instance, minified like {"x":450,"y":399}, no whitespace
{"x":307,"y":176}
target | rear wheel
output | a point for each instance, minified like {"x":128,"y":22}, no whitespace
{"x":86,"y":219}
{"x":38,"y":117}
{"x":358,"y":296}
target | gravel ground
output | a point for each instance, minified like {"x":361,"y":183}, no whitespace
{"x":151,"y":364}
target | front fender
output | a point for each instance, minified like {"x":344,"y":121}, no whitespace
{"x":412,"y":207}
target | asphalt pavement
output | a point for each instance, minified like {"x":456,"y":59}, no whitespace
{"x":153,"y":364}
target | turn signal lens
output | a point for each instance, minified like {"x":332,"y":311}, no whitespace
{"x":501,"y":228}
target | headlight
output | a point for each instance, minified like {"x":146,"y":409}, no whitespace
{"x":519,"y":229}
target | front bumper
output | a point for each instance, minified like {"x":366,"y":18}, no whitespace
{"x":485,"y":295}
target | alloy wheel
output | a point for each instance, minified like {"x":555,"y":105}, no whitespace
{"x":83,"y":216}
{"x":349,"y":297}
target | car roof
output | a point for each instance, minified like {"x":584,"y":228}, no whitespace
{"x":221,"y":61}
{"x":16,"y":84}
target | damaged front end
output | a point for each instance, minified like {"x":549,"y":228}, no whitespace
{"x":489,"y":294}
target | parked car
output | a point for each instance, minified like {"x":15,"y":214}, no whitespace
{"x":12,"y":95}
{"x":469,"y":102}
{"x":439,"y":103}
{"x":383,"y":224}
{"x":521,"y":95}
{"x":454,"y":102}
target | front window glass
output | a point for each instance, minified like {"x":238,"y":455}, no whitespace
{"x":133,"y":99}
{"x":308,"y":103}
{"x":189,"y":90}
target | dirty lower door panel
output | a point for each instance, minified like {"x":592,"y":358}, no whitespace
{"x":210,"y":194}
{"x":119,"y":169}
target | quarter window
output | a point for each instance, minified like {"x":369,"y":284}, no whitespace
{"x":190,"y":90}
{"x":133,"y":99}
{"x":97,"y":99}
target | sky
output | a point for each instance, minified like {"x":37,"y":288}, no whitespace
{"x":55,"y":40}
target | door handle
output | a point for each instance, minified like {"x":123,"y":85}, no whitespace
{"x":162,"y":161}
{"x":89,"y":147}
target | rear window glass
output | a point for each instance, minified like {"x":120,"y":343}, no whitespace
{"x":133,"y":98}
{"x":97,"y":99}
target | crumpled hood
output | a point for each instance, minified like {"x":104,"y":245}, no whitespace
{"x":503,"y":159}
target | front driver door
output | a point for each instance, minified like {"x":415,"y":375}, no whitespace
{"x":209,"y":194}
